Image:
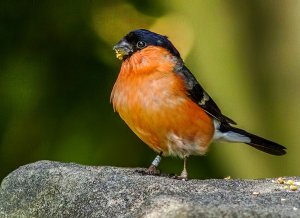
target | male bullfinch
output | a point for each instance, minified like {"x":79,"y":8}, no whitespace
{"x":164,"y":105}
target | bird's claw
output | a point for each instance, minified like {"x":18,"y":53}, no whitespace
{"x":183,"y":178}
{"x":152,"y":170}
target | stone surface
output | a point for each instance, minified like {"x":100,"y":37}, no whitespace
{"x":53,"y":189}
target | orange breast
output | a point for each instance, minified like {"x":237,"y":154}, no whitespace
{"x":153,"y":102}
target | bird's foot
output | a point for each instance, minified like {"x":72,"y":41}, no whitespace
{"x":183,"y":176}
{"x":152,"y":170}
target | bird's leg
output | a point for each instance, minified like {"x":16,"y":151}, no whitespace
{"x":184,"y":174}
{"x":152,"y":170}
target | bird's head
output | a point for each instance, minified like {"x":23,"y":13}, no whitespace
{"x":139,"y":39}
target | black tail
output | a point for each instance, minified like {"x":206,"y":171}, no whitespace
{"x":261,"y":143}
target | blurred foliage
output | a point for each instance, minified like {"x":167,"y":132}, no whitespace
{"x":57,"y":69}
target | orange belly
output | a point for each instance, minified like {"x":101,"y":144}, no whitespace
{"x":178,"y":131}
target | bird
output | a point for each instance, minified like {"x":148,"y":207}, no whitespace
{"x":162,"y":102}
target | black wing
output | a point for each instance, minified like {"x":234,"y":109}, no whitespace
{"x":198,"y":94}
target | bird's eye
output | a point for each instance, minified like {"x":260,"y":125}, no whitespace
{"x":141,"y":44}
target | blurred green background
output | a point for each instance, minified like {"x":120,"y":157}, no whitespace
{"x":57,"y":69}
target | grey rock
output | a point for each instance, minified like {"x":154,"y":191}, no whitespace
{"x":53,"y":189}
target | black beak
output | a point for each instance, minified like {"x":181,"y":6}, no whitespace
{"x":123,"y":49}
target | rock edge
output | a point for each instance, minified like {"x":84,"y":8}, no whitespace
{"x":54,"y":189}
